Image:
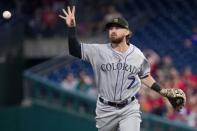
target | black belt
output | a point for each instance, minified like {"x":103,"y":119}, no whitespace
{"x":117,"y":104}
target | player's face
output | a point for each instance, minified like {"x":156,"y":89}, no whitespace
{"x":117,"y":34}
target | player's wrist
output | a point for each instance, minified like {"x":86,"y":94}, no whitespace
{"x":156,"y":87}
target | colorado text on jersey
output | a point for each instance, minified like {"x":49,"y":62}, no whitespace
{"x":119,"y":66}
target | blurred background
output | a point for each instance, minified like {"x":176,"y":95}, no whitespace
{"x":43,"y":88}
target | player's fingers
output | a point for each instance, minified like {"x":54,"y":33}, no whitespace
{"x":62,"y":17}
{"x":69,"y":11}
{"x":73,"y":10}
{"x":65,"y":12}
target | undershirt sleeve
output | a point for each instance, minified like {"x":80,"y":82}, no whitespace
{"x":73,"y":43}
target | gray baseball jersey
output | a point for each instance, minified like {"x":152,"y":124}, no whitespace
{"x":117,"y":74}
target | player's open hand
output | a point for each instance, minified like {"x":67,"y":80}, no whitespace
{"x":69,"y":16}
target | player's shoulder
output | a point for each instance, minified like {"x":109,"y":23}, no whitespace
{"x":95,"y":44}
{"x":101,"y":45}
{"x":137,"y":50}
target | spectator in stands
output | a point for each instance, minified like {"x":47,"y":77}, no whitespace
{"x":177,"y":81}
{"x":154,"y":59}
{"x":70,"y":82}
{"x":85,"y":82}
{"x":192,"y":117}
{"x":192,"y":39}
{"x":112,"y":13}
{"x":49,"y":21}
{"x":164,"y":68}
{"x":190,"y":78}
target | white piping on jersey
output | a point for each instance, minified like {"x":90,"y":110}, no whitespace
{"x":116,"y":83}
{"x":124,"y":70}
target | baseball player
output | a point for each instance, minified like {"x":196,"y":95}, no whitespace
{"x":119,"y":68}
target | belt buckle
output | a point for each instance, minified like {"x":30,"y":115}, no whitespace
{"x":120,"y":104}
{"x":105,"y":102}
{"x":116,"y":105}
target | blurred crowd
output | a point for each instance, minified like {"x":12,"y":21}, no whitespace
{"x":44,"y":21}
{"x":168,"y":76}
{"x":83,"y":83}
{"x":40,"y":17}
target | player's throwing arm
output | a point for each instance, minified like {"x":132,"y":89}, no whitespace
{"x":69,"y":18}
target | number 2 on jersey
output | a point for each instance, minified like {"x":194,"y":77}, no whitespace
{"x":132,"y":78}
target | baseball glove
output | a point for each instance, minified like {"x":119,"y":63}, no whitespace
{"x":176,"y":97}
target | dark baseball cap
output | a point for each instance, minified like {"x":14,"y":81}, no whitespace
{"x":120,"y":21}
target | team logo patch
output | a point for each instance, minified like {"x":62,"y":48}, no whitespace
{"x":115,"y":20}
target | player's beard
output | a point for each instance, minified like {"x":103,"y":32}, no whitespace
{"x":116,"y":40}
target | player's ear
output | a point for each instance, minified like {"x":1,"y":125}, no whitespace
{"x":129,"y":34}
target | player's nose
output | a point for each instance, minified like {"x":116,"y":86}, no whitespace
{"x":113,"y":31}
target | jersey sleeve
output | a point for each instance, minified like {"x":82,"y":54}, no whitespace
{"x":88,"y":51}
{"x":145,"y":69}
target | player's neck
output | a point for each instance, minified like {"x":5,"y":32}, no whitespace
{"x":121,"y":47}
